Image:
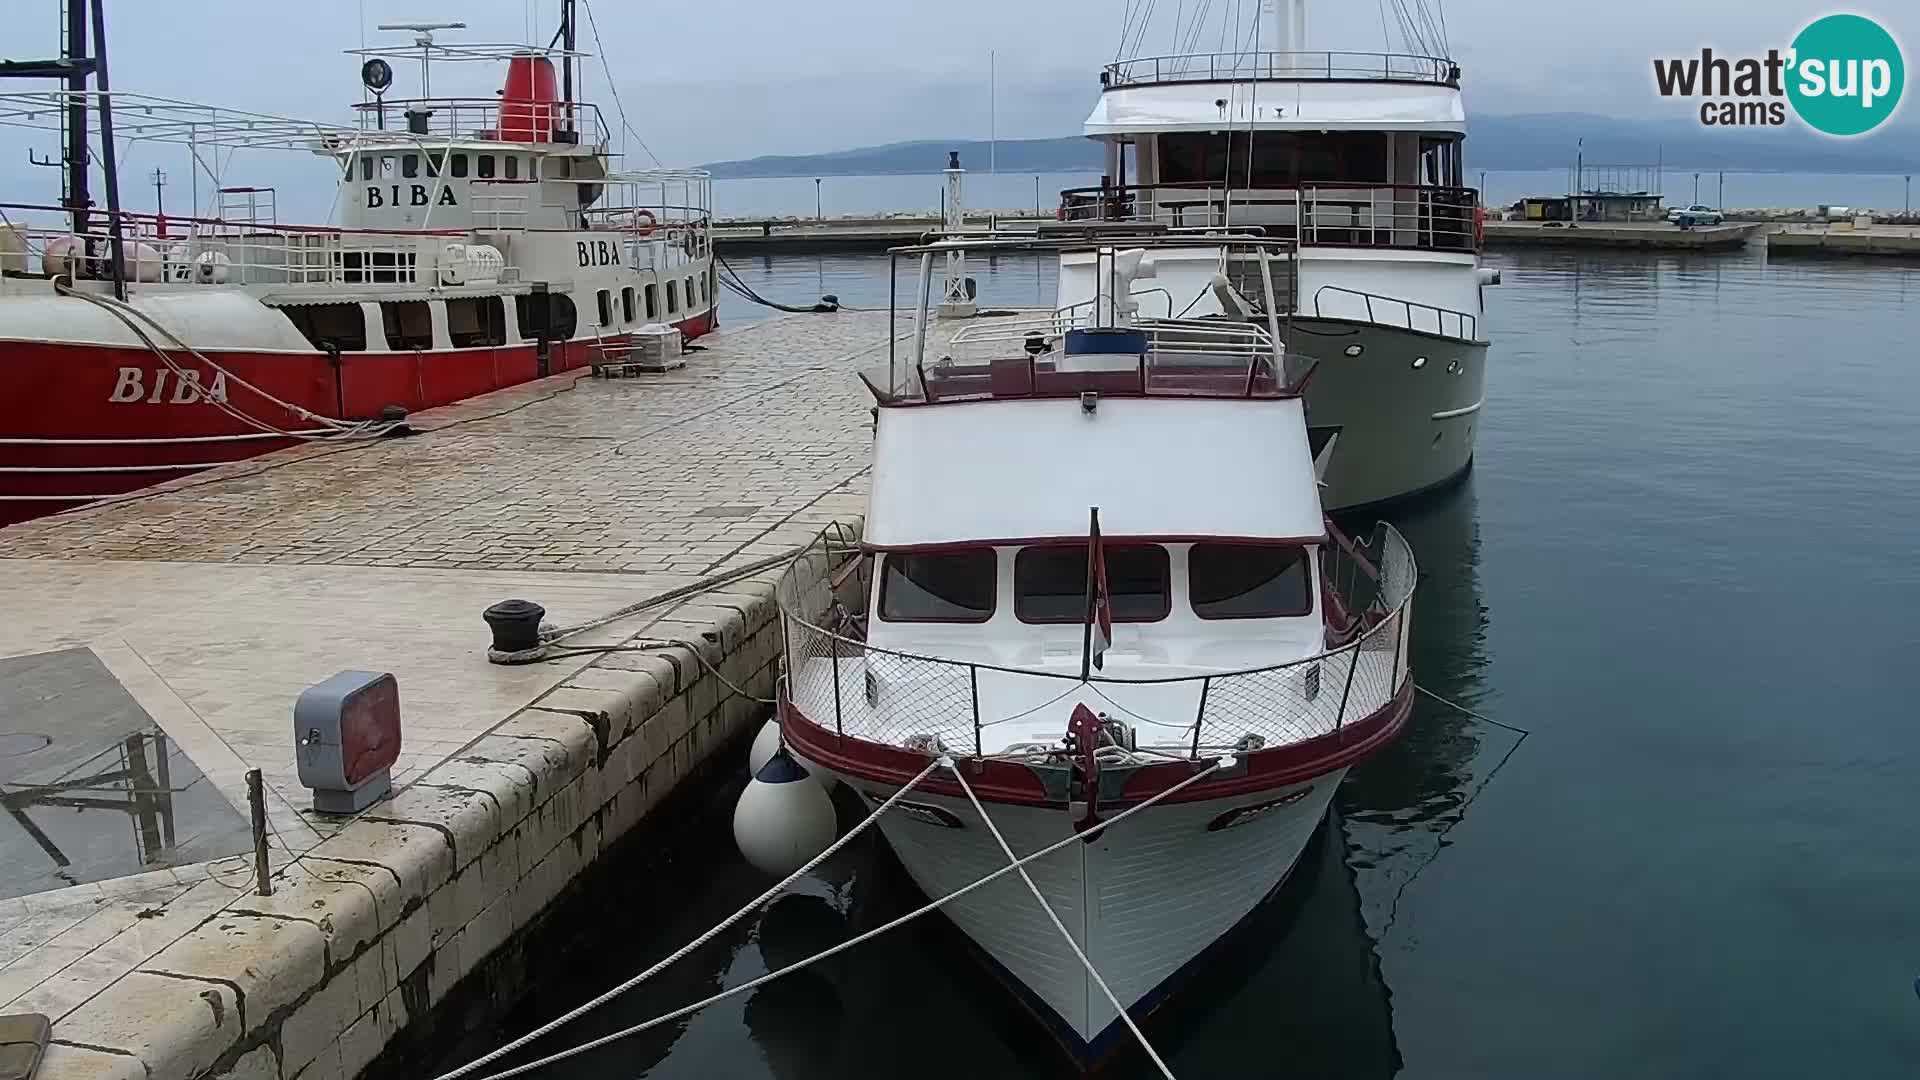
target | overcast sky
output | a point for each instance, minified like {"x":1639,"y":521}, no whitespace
{"x":704,"y":80}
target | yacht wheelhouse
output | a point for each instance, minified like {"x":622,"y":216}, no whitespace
{"x":1356,"y":160}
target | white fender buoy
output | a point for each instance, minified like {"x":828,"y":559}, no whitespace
{"x":64,"y":255}
{"x":765,"y":744}
{"x":783,"y":818}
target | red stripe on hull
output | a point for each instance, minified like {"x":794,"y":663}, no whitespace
{"x":76,"y":412}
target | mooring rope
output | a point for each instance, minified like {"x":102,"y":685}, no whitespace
{"x":667,"y":1018}
{"x":1079,"y":953}
{"x":752,"y":905}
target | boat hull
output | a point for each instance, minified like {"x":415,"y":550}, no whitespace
{"x":83,"y":421}
{"x":1144,"y":900}
{"x":1407,"y":408}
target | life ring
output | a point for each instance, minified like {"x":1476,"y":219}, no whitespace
{"x":646,"y":223}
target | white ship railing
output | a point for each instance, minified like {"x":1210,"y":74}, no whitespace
{"x":208,"y":251}
{"x":860,"y":691}
{"x":1344,"y":303}
{"x":480,"y":119}
{"x":1300,"y":66}
{"x":1417,"y":216}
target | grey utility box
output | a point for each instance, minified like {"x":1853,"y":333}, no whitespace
{"x":346,"y":733}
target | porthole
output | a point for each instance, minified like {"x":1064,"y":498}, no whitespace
{"x":1355,"y":350}
{"x":1419,"y":362}
{"x":1453,"y":366}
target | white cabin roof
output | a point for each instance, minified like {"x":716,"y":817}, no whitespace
{"x":1029,"y":469}
{"x":1278,"y":105}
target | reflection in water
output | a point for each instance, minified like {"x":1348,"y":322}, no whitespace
{"x":1398,"y":803}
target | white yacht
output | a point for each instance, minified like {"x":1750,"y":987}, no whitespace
{"x":1356,"y":159}
{"x":1097,"y":581}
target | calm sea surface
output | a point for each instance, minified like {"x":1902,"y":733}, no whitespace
{"x":1684,"y":561}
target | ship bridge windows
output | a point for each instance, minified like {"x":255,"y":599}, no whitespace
{"x":458,"y":165}
{"x":330,"y":327}
{"x":1249,"y":581}
{"x":939,"y":586}
{"x":483,"y":166}
{"x":626,"y":304}
{"x":1440,"y":162}
{"x":511,"y":163}
{"x":476,"y":321}
{"x":434,"y":160}
{"x":408,"y":324}
{"x":1050,"y":583}
{"x":1280,"y":159}
{"x":366,"y":167}
{"x":410,"y":166}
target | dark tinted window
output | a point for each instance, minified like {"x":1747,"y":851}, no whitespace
{"x":366,"y":168}
{"x":433,"y":162}
{"x":1280,"y":158}
{"x":603,"y":302}
{"x":1248,"y":581}
{"x":626,"y":304}
{"x":409,"y":324}
{"x":410,"y":165}
{"x":513,"y":166}
{"x":476,"y":321}
{"x":653,"y":301}
{"x":548,"y":315}
{"x":939,"y":586}
{"x":1050,"y":583}
{"x":459,"y":164}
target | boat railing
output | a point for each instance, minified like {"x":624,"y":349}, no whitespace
{"x":1416,"y":216}
{"x":1344,"y":303}
{"x":1282,"y":66}
{"x":188,"y":252}
{"x":407,"y":120}
{"x":841,"y":683}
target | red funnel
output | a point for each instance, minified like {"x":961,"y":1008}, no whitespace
{"x":528,"y":106}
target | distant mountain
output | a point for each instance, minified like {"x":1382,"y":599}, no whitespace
{"x":1495,"y":143}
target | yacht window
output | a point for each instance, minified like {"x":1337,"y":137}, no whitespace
{"x":939,"y":586}
{"x":689,"y":294}
{"x":410,"y":165}
{"x":336,"y":326}
{"x":653,"y":302}
{"x":459,"y":164}
{"x":673,"y":297}
{"x":476,"y":321}
{"x":703,"y":288}
{"x":1281,"y":159}
{"x":366,"y":168}
{"x":1440,"y":162}
{"x":603,"y":301}
{"x":408,"y":323}
{"x":434,"y":158}
{"x":626,"y":304}
{"x":484,"y":167}
{"x":1050,"y":583}
{"x":513,"y":166}
{"x":1249,"y":581}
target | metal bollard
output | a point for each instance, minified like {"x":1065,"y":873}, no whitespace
{"x":257,"y":802}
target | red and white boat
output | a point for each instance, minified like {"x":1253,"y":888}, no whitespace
{"x":479,"y":243}
{"x":1222,"y":629}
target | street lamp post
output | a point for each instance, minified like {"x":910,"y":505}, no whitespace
{"x":1696,"y":189}
{"x":816,"y":199}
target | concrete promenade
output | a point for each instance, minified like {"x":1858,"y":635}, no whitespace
{"x":213,"y":602}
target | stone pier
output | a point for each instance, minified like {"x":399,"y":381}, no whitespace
{"x":176,"y":628}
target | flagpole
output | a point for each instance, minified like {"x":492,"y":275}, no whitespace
{"x":1086,"y":637}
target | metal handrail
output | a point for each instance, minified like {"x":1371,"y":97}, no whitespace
{"x":1383,"y":615}
{"x":1468,"y":323}
{"x":475,"y":118}
{"x":1282,"y":66}
{"x":1338,"y":214}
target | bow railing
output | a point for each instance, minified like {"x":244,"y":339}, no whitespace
{"x":841,"y":683}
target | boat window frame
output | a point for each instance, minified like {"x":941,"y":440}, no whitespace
{"x":1304,"y":560}
{"x":627,"y":307}
{"x":884,"y":573}
{"x":393,"y":319}
{"x":410,"y":166}
{"x":603,"y":306}
{"x":1108,"y":548}
{"x":673,"y":297}
{"x":490,"y":316}
{"x":459,"y":162}
{"x":652,"y":295}
{"x":510,"y":166}
{"x":483,"y":167}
